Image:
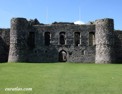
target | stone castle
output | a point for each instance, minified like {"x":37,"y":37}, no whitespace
{"x":32,"y":41}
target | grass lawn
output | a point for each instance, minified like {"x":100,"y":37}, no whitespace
{"x":61,"y":78}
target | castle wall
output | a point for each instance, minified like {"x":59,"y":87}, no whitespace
{"x":118,"y":46}
{"x":81,"y":53}
{"x":25,"y":41}
{"x":4,"y":44}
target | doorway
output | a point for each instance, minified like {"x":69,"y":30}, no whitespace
{"x":62,"y":56}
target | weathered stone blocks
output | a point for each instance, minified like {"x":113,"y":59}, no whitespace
{"x":18,"y":40}
{"x":104,"y":41}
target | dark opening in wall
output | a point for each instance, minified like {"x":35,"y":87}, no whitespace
{"x":47,"y":38}
{"x":83,"y":52}
{"x":62,"y":56}
{"x":31,"y":40}
{"x":62,"y":38}
{"x":91,"y":38}
{"x":77,"y":38}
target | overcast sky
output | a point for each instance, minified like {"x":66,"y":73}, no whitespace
{"x":48,"y":11}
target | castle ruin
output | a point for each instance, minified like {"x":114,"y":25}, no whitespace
{"x":32,"y":41}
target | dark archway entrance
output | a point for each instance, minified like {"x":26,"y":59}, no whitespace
{"x":62,"y":56}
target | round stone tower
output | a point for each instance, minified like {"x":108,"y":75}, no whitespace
{"x":18,"y":40}
{"x":104,"y":41}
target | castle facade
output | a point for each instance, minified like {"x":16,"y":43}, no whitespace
{"x":31,"y":41}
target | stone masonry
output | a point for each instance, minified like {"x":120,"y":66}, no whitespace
{"x":32,"y":41}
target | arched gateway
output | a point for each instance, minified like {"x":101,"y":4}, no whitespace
{"x":62,"y":56}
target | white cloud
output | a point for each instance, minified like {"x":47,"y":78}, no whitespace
{"x":79,"y":22}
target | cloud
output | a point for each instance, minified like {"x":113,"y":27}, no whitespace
{"x":79,"y":22}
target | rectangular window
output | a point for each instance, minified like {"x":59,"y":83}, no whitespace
{"x":31,"y":40}
{"x":91,"y":38}
{"x":47,"y":38}
{"x":77,"y":38}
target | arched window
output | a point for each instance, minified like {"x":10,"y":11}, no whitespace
{"x":91,"y":38}
{"x":77,"y":38}
{"x":31,"y":40}
{"x":47,"y":38}
{"x":62,"y":38}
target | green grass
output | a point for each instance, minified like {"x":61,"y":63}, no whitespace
{"x":61,"y":78}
